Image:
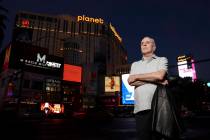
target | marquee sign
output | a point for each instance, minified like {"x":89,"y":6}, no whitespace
{"x":35,"y":59}
{"x":89,"y":19}
{"x":41,"y":62}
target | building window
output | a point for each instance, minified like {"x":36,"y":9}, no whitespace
{"x":23,"y":15}
{"x":73,"y":26}
{"x":103,"y":30}
{"x":3,"y":82}
{"x":96,"y":29}
{"x":80,"y":27}
{"x":65,"y":26}
{"x":26,"y":84}
{"x":49,"y":19}
{"x":41,"y":18}
{"x":32,"y":17}
{"x":37,"y":85}
{"x":88,"y":27}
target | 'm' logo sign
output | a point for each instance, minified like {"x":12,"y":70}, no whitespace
{"x":41,"y":59}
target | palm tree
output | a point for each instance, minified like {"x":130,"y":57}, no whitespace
{"x":3,"y":17}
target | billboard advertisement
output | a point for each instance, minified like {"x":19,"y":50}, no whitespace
{"x":112,"y":83}
{"x":186,"y":67}
{"x":72,"y":73}
{"x":53,"y":108}
{"x":35,"y":59}
{"x":127,"y":91}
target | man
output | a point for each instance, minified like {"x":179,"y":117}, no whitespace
{"x":144,"y":73}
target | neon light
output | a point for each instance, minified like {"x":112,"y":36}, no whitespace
{"x":115,"y":32}
{"x":193,"y":70}
{"x":25,"y":23}
{"x":89,"y":19}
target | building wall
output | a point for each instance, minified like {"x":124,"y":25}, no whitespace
{"x":94,"y":46}
{"x":93,"y":39}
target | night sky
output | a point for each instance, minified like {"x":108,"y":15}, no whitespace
{"x":179,"y":27}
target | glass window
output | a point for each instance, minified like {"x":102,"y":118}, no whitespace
{"x":3,"y":82}
{"x":26,"y":84}
{"x":37,"y":85}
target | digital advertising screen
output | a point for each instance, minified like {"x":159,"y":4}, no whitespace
{"x":112,"y":83}
{"x":127,"y":91}
{"x":185,"y":71}
{"x":35,"y":59}
{"x":53,"y":108}
{"x":72,"y":73}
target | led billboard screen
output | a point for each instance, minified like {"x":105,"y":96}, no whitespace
{"x":186,"y":67}
{"x":112,"y":83}
{"x":35,"y":59}
{"x":72,"y":73}
{"x":53,"y":108}
{"x":127,"y":91}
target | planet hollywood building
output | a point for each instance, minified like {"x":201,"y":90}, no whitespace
{"x":89,"y":43}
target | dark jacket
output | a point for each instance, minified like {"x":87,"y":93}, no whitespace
{"x":166,"y":120}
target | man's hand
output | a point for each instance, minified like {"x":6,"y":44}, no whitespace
{"x":165,"y":82}
{"x":131,"y":79}
{"x":137,"y":83}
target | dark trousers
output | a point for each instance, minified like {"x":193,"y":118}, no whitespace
{"x":144,"y":126}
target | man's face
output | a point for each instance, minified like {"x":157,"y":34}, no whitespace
{"x":147,"y":46}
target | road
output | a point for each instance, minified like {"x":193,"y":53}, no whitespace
{"x":198,"y":128}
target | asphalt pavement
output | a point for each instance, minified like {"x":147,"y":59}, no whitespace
{"x":197,"y":128}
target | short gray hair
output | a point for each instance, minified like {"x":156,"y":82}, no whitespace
{"x":152,"y":40}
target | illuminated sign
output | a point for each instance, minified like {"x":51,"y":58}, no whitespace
{"x":183,"y":58}
{"x":186,"y":67}
{"x":48,"y":63}
{"x":25,"y":23}
{"x":72,"y":73}
{"x":127,"y":91}
{"x":35,"y":59}
{"x":7,"y":57}
{"x":112,"y":83}
{"x":53,"y":108}
{"x":208,"y":84}
{"x":89,"y":19}
{"x":41,"y":61}
{"x":115,"y":32}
